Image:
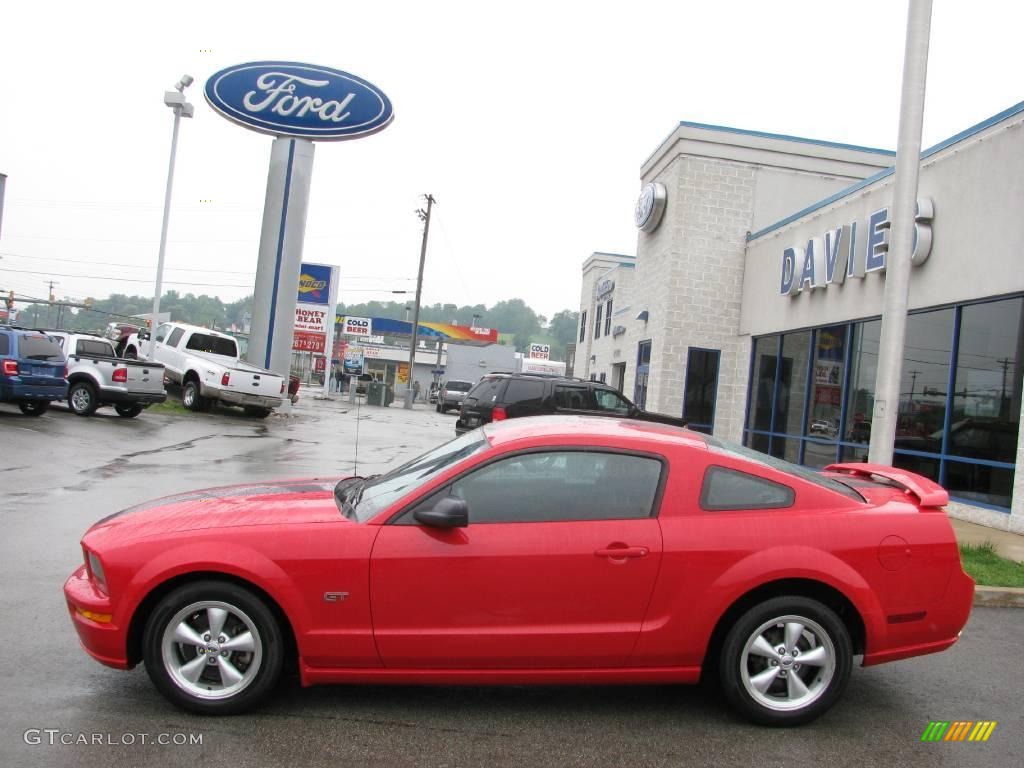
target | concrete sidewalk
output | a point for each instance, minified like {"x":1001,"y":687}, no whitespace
{"x":1008,"y":545}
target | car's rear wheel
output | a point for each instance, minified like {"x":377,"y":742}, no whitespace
{"x":786,"y":661}
{"x":128,"y":411}
{"x":190,"y":396}
{"x":82,"y":398}
{"x":33,"y":407}
{"x":213,"y":648}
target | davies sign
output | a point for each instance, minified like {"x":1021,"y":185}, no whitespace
{"x":286,"y":98}
{"x":851,"y":251}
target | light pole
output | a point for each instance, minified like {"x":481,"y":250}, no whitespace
{"x":176,"y":101}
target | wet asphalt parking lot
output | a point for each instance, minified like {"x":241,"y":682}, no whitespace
{"x":60,"y":473}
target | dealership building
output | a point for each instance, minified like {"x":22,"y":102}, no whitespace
{"x":752,"y":306}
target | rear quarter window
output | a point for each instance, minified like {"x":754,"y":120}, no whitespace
{"x":524,"y":392}
{"x":727,"y":489}
{"x":5,"y":344}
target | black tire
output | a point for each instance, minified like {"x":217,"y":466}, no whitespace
{"x":34,"y":407}
{"x":255,"y":412}
{"x":190,"y":396}
{"x":128,"y":411}
{"x":256,"y":670}
{"x":82,"y":398}
{"x":131,"y":353}
{"x":783,"y":702}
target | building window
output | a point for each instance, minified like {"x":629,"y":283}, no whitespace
{"x":812,"y":394}
{"x":608,"y":318}
{"x":583,"y":326}
{"x":643,"y":367}
{"x":597,"y":321}
{"x":701,"y":389}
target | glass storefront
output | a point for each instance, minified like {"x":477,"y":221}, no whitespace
{"x":812,"y":394}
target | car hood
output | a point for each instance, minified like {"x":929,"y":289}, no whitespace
{"x":273,"y":503}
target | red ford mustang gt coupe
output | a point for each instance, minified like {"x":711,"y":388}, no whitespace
{"x":539,"y":550}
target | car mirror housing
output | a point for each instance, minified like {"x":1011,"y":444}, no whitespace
{"x":449,"y":512}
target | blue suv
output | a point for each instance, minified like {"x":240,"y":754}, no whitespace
{"x":32,"y":370}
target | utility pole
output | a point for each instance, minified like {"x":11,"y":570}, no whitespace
{"x":897,"y":268}
{"x":425,"y":218}
{"x":49,"y":307}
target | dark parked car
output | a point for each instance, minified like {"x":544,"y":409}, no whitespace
{"x":501,"y":396}
{"x":32,"y":370}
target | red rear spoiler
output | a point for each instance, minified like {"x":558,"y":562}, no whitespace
{"x":928,"y":493}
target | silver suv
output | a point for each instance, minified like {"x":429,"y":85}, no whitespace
{"x":452,"y":394}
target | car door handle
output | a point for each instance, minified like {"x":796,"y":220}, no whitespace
{"x":621,"y":553}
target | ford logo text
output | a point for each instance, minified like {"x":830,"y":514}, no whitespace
{"x":299,"y":100}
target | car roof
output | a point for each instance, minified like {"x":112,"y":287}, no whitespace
{"x":576,"y":428}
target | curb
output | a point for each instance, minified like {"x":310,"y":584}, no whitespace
{"x":999,"y":597}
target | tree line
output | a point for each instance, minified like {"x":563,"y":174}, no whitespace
{"x":518,"y":324}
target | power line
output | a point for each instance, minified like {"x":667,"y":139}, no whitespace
{"x":122,"y":279}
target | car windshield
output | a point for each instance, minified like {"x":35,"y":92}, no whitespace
{"x":361,"y":499}
{"x":458,"y":386}
{"x":804,"y":473}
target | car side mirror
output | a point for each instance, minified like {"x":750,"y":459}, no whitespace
{"x":143,"y":335}
{"x":449,"y":512}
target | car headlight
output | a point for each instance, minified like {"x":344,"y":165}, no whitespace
{"x":95,"y":568}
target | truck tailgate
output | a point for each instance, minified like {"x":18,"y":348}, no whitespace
{"x":246,"y":382}
{"x":145,"y":377}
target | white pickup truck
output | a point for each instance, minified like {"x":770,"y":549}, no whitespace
{"x":205,"y":363}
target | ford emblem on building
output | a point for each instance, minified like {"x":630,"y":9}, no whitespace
{"x":285,"y":98}
{"x":650,"y":207}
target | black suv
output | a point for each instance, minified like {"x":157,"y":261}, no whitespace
{"x":510,"y":395}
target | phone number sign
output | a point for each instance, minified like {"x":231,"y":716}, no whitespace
{"x":309,"y":341}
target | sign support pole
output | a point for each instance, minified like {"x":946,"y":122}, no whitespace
{"x":280,"y":256}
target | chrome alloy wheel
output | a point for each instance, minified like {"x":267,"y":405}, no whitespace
{"x":81,"y":399}
{"x":211,"y":650}
{"x":787,"y":663}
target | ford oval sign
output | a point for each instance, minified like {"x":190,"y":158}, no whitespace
{"x":285,"y":98}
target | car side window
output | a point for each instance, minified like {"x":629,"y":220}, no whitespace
{"x":161,"y":332}
{"x":554,"y":486}
{"x":727,"y":489}
{"x":5,"y":344}
{"x":525,"y":392}
{"x":572,"y":398}
{"x":608,"y":400}
{"x":175,"y":337}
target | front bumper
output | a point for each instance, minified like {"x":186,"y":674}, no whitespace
{"x":106,"y":642}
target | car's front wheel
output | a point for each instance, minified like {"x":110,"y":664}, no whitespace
{"x":786,"y":661}
{"x":213,"y":648}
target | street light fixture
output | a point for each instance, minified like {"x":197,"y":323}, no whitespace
{"x":176,"y":101}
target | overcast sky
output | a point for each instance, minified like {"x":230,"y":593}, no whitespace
{"x":527,"y":121}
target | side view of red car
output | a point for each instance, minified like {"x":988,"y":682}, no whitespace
{"x":539,"y":550}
